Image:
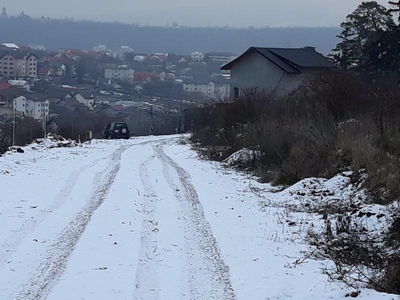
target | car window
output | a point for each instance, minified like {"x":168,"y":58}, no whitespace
{"x":120,"y":125}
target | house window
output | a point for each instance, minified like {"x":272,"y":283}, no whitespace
{"x":236,"y":92}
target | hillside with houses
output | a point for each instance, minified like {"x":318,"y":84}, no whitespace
{"x":71,"y":88}
{"x":307,"y":143}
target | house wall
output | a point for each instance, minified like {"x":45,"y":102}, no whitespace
{"x":256,"y":72}
{"x":221,"y":59}
{"x":12,"y":67}
{"x":204,"y":88}
{"x":119,"y":74}
{"x":84,"y":101}
{"x":31,"y":67}
{"x":20,"y":104}
{"x":37,"y":109}
{"x":30,"y":108}
{"x":7,"y":66}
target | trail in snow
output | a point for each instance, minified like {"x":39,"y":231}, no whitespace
{"x":58,"y":253}
{"x":146,"y":281}
{"x":10,"y":245}
{"x":211,"y":278}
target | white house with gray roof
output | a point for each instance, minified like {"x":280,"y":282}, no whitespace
{"x":84,"y":97}
{"x":32,"y":105}
{"x":278,"y":70}
{"x":214,"y":88}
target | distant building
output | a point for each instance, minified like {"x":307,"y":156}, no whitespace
{"x":219,"y":58}
{"x":119,"y":74}
{"x":126,"y":49}
{"x":4,"y":14}
{"x":10,"y":46}
{"x":32,"y":105}
{"x":140,"y":57}
{"x":197,"y":56}
{"x":214,"y":88}
{"x":148,"y":76}
{"x":22,"y":84}
{"x":100,"y":48}
{"x":70,"y":104}
{"x":17,"y":63}
{"x":85,"y":97}
{"x":37,"y":47}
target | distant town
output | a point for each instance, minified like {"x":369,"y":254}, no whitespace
{"x":71,"y":85}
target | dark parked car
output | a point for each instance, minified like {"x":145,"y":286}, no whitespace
{"x":116,"y":130}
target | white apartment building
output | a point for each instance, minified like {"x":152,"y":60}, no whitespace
{"x":212,"y":89}
{"x":220,"y":58}
{"x":119,"y":74}
{"x":197,"y":56}
{"x":15,"y":63}
{"x":33,"y":106}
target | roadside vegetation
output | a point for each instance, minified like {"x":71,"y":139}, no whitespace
{"x":340,"y":120}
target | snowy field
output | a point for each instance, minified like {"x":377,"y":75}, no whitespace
{"x":146,"y":218}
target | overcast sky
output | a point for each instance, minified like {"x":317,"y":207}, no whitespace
{"x":238,"y":13}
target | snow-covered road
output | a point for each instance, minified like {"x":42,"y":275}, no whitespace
{"x":146,"y":218}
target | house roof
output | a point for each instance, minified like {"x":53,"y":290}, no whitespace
{"x":87,"y":94}
{"x":290,"y":60}
{"x":197,"y":81}
{"x":10,"y":93}
{"x":70,"y":102}
{"x":6,"y":86}
{"x":36,"y":97}
{"x":17,"y":54}
{"x":43,"y":70}
{"x":144,"y":76}
{"x":32,"y":96}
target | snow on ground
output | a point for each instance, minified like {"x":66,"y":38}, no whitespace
{"x":145,"y":218}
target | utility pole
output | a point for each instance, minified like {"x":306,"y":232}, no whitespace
{"x":13,"y":138}
{"x":45,"y":125}
{"x":151,"y":120}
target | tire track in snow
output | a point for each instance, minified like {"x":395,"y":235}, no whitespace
{"x":198,"y":233}
{"x":59,"y":252}
{"x":11,"y":244}
{"x":146,"y":280}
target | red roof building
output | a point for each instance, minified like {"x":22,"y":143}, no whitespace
{"x":145,"y":76}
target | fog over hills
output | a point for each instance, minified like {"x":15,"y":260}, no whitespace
{"x":54,"y":34}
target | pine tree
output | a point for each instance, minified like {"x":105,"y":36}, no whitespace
{"x":361,"y":28}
